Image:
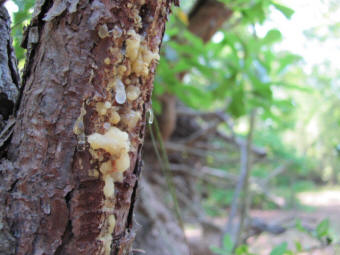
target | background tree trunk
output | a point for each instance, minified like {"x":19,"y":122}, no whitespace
{"x":160,"y":231}
{"x":70,"y":175}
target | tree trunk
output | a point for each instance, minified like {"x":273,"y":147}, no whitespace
{"x":71,"y":172}
{"x":9,"y":77}
{"x":9,"y":91}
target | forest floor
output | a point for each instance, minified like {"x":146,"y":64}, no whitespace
{"x":314,"y":207}
{"x":321,"y":204}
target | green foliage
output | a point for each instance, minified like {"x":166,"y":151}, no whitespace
{"x":300,"y":227}
{"x":243,"y":250}
{"x":21,"y":19}
{"x":322,"y":232}
{"x":217,"y":196}
{"x":322,"y":229}
{"x":256,"y":11}
{"x":227,"y":248}
{"x":281,"y":249}
{"x":288,"y":12}
{"x":240,"y":69}
{"x":298,"y":246}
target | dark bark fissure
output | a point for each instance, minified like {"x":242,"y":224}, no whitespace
{"x":12,"y":68}
{"x":67,"y":235}
{"x":136,"y":172}
{"x":13,"y":186}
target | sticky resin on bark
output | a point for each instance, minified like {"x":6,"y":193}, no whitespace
{"x":106,"y":234}
{"x":102,"y":107}
{"x":132,"y":93}
{"x":110,"y":144}
{"x":139,"y":54}
{"x":116,"y":143}
{"x":131,"y":118}
{"x":114,"y":117}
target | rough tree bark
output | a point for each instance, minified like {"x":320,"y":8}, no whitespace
{"x":9,"y":92}
{"x":9,"y":76}
{"x":69,"y":177}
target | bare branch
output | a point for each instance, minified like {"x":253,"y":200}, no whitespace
{"x":242,"y":185}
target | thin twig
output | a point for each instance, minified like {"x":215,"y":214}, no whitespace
{"x":246,"y":195}
{"x":242,"y":184}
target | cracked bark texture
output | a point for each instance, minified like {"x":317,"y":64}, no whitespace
{"x":50,"y":204}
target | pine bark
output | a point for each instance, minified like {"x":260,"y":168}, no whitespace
{"x":69,"y":177}
{"x":9,"y":76}
{"x":9,"y":92}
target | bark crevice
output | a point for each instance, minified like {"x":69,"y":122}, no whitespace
{"x":67,"y":235}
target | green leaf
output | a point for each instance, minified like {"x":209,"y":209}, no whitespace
{"x":228,"y":243}
{"x":237,"y":105}
{"x":287,"y":60}
{"x":156,"y":106}
{"x":255,"y":13}
{"x":280,"y":249}
{"x":288,"y":12}
{"x":261,"y":89}
{"x":195,"y":40}
{"x":172,"y":31}
{"x":322,"y":228}
{"x":218,"y":250}
{"x":181,"y":66}
{"x":242,"y":250}
{"x":272,"y":36}
{"x":293,"y":86}
{"x":298,"y":246}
